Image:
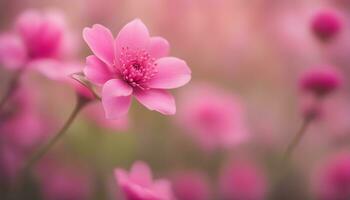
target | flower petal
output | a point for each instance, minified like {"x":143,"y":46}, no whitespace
{"x":28,"y":24}
{"x":141,"y":174}
{"x":133,"y":35}
{"x":116,"y":98}
{"x":159,"y":47}
{"x":172,"y":73}
{"x":101,"y":42}
{"x":96,"y":71}
{"x":13,"y":53}
{"x":159,"y":100}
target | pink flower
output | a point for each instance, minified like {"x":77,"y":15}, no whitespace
{"x":60,"y":181}
{"x":326,"y":24}
{"x":242,"y":181}
{"x":36,"y":36}
{"x":133,"y":64}
{"x":191,"y":185}
{"x":213,"y":117}
{"x":320,"y":81}
{"x":138,"y":184}
{"x":332,"y":180}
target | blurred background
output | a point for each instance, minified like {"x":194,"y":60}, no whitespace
{"x":246,"y":58}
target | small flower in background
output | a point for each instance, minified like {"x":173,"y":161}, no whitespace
{"x":138,"y":184}
{"x":320,"y":81}
{"x":213,"y":117}
{"x":63,"y":181}
{"x":242,"y":181}
{"x":331,"y":181}
{"x":326,"y":24}
{"x":133,"y":64}
{"x":189,"y":185}
{"x":36,"y":36}
{"x":315,"y":84}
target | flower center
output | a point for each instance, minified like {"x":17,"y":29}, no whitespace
{"x":137,"y":67}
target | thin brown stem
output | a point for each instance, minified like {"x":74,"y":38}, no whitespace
{"x":296,"y":140}
{"x":13,"y":85}
{"x":39,"y":153}
{"x":46,"y":147}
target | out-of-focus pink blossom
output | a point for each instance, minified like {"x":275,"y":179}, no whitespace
{"x":191,"y":185}
{"x":214,"y":118}
{"x":326,"y":24}
{"x":36,"y":36}
{"x":138,"y":184}
{"x":60,"y":181}
{"x":332,"y":180}
{"x":133,"y":64}
{"x":21,"y":124}
{"x":320,"y":81}
{"x":242,"y":181}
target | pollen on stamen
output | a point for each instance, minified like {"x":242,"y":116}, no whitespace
{"x":137,"y":67}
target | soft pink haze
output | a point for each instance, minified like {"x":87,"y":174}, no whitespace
{"x":331,"y":181}
{"x":212,"y":116}
{"x":189,"y":185}
{"x":242,"y":180}
{"x":61,"y":181}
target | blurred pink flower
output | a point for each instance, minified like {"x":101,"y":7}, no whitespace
{"x":242,"y":181}
{"x":138,"y":184}
{"x":191,"y":185}
{"x":320,"y":81}
{"x":326,"y":24}
{"x":332,"y":180}
{"x":21,"y":123}
{"x":36,"y":36}
{"x":60,"y":181}
{"x":212,"y":116}
{"x":133,"y":64}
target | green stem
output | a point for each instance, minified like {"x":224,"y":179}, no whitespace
{"x":81,"y":102}
{"x":37,"y":155}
